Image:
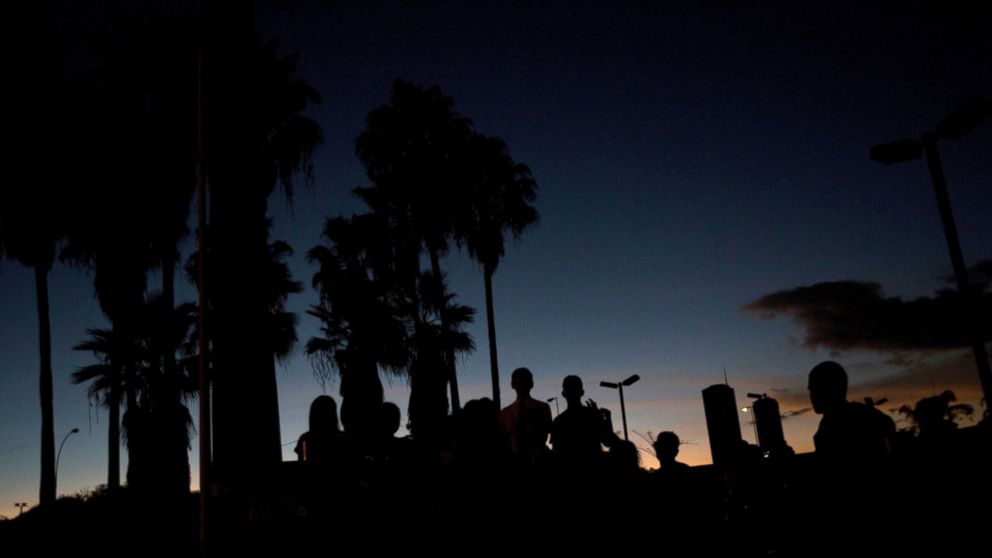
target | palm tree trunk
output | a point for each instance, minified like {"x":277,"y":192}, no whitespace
{"x":246,"y":432}
{"x":175,"y":458}
{"x":114,"y":430}
{"x":491,"y":323}
{"x":133,"y":419}
{"x":48,"y":488}
{"x":449,"y":353}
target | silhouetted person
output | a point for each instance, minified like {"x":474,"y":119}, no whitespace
{"x":933,"y":417}
{"x":526,"y":421}
{"x":478,"y":465}
{"x":321,"y":442}
{"x":392,"y":456}
{"x":479,"y":450}
{"x":579,"y":464}
{"x":850,"y":433}
{"x":673,"y":493}
{"x":579,"y":432}
{"x":853,"y":445}
{"x":666,"y":449}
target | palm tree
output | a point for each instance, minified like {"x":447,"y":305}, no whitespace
{"x":501,"y":193}
{"x":116,"y":246}
{"x":34,"y":158}
{"x":156,"y":428}
{"x":137,"y":104}
{"x":105,"y":378}
{"x":407,"y":150}
{"x":167,"y":383}
{"x":441,"y":333}
{"x":362,"y":326}
{"x":256,"y":138}
{"x":29,"y":235}
{"x":281,"y":324}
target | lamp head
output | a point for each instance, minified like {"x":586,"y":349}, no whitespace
{"x":964,"y":118}
{"x":631,"y":380}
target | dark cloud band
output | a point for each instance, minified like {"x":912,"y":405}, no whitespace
{"x":847,"y":315}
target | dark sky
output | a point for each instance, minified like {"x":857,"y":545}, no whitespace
{"x":691,"y":157}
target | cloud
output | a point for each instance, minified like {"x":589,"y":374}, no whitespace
{"x":796,"y":413}
{"x":846,"y":315}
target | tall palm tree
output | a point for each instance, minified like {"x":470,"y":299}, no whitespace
{"x":34,"y":157}
{"x":29,"y":235}
{"x":501,"y":193}
{"x":116,"y":246}
{"x":407,"y":150}
{"x":137,"y":100}
{"x":256,"y":137}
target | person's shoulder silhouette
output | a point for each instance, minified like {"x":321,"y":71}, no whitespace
{"x":849,"y":431}
{"x":578,"y":432}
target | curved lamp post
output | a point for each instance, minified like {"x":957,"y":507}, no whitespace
{"x":619,"y":387}
{"x":59,"y":454}
{"x":953,"y":126}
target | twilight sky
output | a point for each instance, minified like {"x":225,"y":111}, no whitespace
{"x":691,"y":158}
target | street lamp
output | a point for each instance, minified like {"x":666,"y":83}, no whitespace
{"x":555,"y":399}
{"x":953,"y":126}
{"x":20,"y":506}
{"x":59,"y":454}
{"x":619,"y":386}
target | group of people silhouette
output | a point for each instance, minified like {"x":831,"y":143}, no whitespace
{"x":490,"y":479}
{"x":517,"y":435}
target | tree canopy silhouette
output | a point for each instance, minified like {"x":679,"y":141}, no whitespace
{"x":37,"y":151}
{"x":438,"y":181}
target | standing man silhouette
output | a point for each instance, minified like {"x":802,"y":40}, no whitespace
{"x":577,"y":435}
{"x":850,"y":435}
{"x":526,"y":421}
{"x":853,"y":445}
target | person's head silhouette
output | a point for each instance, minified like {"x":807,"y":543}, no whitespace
{"x":522,"y":381}
{"x":324,"y":414}
{"x":827,"y":387}
{"x":571,"y":390}
{"x":666,"y":446}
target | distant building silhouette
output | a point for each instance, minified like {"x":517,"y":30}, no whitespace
{"x":768,"y":423}
{"x":722,"y":423}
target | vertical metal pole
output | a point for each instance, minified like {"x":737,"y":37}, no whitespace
{"x":623,"y":412}
{"x":957,"y":260}
{"x":204,"y":385}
